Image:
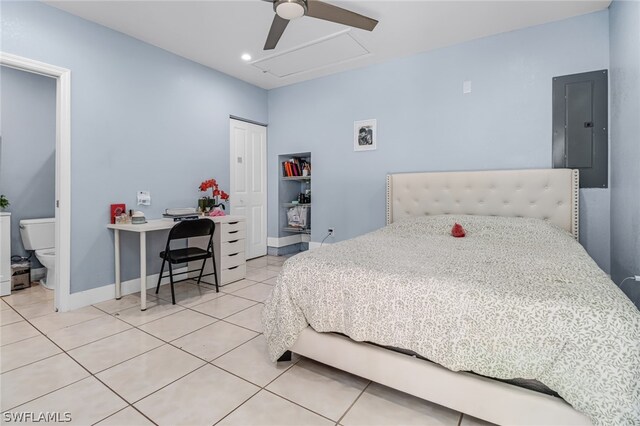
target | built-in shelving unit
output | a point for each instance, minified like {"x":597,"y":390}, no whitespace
{"x":289,"y":190}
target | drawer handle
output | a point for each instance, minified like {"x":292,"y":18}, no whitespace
{"x":233,"y":267}
{"x":232,"y":232}
{"x":234,"y":241}
{"x":232,"y":223}
{"x":234,"y":254}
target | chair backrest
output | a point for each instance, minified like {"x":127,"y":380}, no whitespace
{"x":192,"y":228}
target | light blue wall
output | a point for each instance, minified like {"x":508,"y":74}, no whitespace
{"x":142,"y":119}
{"x":27,"y":148}
{"x":625,"y":144}
{"x":425,"y":123}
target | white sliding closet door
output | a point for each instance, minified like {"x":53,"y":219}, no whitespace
{"x":248,"y":185}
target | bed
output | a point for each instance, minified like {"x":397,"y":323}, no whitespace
{"x":518,"y":298}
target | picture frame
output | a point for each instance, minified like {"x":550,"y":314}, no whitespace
{"x":365,"y":135}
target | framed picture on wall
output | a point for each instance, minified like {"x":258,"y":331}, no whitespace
{"x":365,"y":135}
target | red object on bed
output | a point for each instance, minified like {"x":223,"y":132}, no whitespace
{"x":458,"y":231}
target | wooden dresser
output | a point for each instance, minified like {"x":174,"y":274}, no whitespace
{"x":229,"y":250}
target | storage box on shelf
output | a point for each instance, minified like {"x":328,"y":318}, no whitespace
{"x":229,"y":241}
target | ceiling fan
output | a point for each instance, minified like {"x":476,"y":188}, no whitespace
{"x":287,"y":10}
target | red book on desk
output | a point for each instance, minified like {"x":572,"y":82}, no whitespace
{"x":117,"y":210}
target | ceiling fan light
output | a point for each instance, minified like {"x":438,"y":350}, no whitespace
{"x":290,"y":10}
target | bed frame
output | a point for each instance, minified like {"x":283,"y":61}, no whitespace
{"x":550,"y":194}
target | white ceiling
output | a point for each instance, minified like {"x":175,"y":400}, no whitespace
{"x":216,"y":33}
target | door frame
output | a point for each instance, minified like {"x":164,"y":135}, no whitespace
{"x":232,"y":159}
{"x":63,"y":168}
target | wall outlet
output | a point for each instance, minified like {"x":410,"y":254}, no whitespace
{"x":330,"y":231}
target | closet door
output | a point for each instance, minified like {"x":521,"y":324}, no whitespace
{"x":248,"y":184}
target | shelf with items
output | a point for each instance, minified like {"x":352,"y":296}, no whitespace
{"x":297,"y":230}
{"x":296,"y":204}
{"x":295,"y":172}
{"x":296,"y":178}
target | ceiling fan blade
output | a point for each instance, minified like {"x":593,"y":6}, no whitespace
{"x":329,"y":12}
{"x":277,"y":28}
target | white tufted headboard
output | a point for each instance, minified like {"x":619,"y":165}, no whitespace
{"x":549,"y":194}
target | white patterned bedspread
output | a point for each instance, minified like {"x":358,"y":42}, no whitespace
{"x":515,"y":298}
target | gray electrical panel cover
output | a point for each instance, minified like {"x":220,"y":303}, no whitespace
{"x":580,"y":126}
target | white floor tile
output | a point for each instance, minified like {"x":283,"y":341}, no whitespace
{"x":17,"y":331}
{"x":25,"y":352}
{"x":380,"y":405}
{"x":472,"y":421}
{"x":223,"y":306}
{"x":235,"y":286}
{"x":36,"y":310}
{"x":58,"y":320}
{"x":260,"y":274}
{"x":251,"y":362}
{"x":155,"y":310}
{"x":270,"y":281}
{"x":114,"y":349}
{"x":267,"y":409}
{"x":177,"y":325}
{"x":146,"y":373}
{"x":258,"y":262}
{"x":31,"y":381}
{"x":257,"y":292}
{"x":128,"y":301}
{"x":249,"y":318}
{"x":86,"y":401}
{"x":322,"y":389}
{"x":127,"y":417}
{"x":86,"y":332}
{"x":9,"y":316}
{"x":214,"y":340}
{"x":209,"y":393}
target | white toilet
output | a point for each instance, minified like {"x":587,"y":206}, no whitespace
{"x":39,"y":235}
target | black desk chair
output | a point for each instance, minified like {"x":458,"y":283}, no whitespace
{"x":188,"y":229}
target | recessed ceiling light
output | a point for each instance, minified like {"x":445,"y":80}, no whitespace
{"x":246,"y":57}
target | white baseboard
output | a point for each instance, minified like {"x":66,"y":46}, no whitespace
{"x":314,"y":245}
{"x":107,"y":292}
{"x":284,"y":241}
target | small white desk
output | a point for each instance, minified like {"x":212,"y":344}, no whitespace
{"x":142,"y":229}
{"x":229,"y":240}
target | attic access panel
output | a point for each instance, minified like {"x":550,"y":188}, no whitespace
{"x":580,"y":126}
{"x":321,"y":53}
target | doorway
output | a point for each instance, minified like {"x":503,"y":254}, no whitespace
{"x":62,"y":231}
{"x":248,"y":182}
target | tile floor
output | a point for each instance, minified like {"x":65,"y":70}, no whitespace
{"x":199,"y":362}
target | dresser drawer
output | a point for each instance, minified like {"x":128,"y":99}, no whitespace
{"x":231,"y":247}
{"x":231,"y":226}
{"x":232,"y":260}
{"x":235,"y":273}
{"x":232,"y":235}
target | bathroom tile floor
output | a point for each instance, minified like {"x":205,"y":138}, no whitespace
{"x":200,"y":362}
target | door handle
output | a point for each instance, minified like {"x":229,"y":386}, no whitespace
{"x":588,"y":124}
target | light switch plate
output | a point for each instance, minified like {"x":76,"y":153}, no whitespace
{"x":466,"y":86}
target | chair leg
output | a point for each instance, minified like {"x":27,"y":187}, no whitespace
{"x":215,"y":270}
{"x":201,"y":270}
{"x":160,"y":276}
{"x":173,"y":294}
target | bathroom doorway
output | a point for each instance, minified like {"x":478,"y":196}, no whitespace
{"x":27,"y":180}
{"x":62,"y":185}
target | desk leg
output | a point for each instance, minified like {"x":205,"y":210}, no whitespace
{"x":116,"y":244}
{"x":143,"y":271}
